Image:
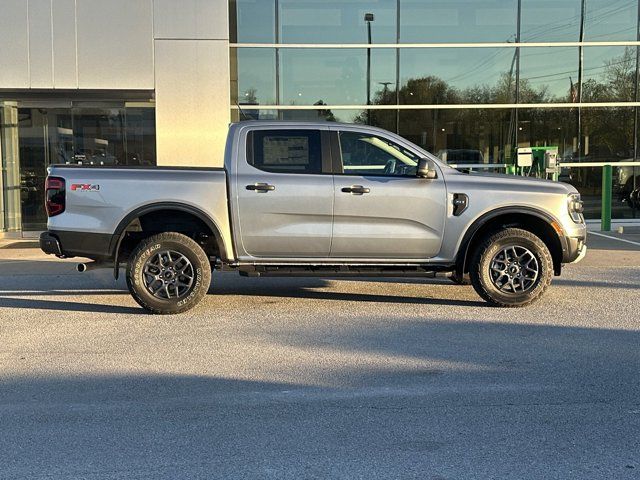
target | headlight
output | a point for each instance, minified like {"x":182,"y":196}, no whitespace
{"x":576,"y":207}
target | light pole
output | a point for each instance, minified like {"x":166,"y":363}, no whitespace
{"x":385,"y":86}
{"x":369,"y":17}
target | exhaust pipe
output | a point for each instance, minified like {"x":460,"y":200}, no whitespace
{"x":87,"y":267}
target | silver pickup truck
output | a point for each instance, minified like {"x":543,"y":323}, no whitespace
{"x":319,"y":199}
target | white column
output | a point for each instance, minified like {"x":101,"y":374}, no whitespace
{"x":192,"y":81}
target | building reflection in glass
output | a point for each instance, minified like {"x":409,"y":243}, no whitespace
{"x":505,"y":97}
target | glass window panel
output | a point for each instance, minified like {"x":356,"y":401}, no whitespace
{"x":331,"y":21}
{"x":459,"y":21}
{"x":609,"y":74}
{"x":379,"y":118}
{"x":548,"y":74}
{"x":611,"y":20}
{"x":474,"y":135}
{"x":607,"y":134}
{"x":549,"y":127}
{"x":252,"y":21}
{"x":45,"y":138}
{"x":253,"y":76}
{"x":550,"y":20}
{"x":248,"y":113}
{"x":626,"y":188}
{"x":141,"y":136}
{"x":10,"y":202}
{"x":366,"y":154}
{"x":99,"y":136}
{"x":457,"y":75}
{"x":588,"y":181}
{"x":387,"y":119}
{"x":93,"y":136}
{"x":287,"y":151}
{"x":335,"y":76}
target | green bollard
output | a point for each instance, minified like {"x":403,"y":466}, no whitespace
{"x":607,"y":183}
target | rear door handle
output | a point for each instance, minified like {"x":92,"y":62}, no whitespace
{"x":356,"y":190}
{"x":261,"y":187}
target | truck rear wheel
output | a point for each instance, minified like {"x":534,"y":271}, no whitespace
{"x":511,"y":268}
{"x":168,"y":273}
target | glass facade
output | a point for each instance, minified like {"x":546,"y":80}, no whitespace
{"x":454,"y":21}
{"x":83,"y":133}
{"x":469,"y":80}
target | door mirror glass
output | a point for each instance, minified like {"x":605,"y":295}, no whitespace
{"x":427,"y":169}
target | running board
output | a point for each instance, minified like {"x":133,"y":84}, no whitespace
{"x":341,"y":271}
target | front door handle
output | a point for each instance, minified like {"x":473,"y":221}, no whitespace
{"x":261,"y":187}
{"x":356,"y":190}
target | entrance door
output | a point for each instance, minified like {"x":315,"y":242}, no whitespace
{"x":382,"y":210}
{"x":10,"y":169}
{"x":284,"y":192}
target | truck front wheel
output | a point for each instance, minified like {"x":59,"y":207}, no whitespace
{"x":511,"y":268}
{"x":168,"y":273}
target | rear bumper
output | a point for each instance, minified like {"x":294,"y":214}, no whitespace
{"x":76,"y":244}
{"x":50,"y":244}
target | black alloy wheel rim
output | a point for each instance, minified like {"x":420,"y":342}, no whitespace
{"x":514,"y":270}
{"x":168,"y":275}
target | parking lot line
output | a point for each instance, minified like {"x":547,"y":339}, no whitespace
{"x":614,"y":238}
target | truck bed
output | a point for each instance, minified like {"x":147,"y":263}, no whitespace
{"x":103,"y":200}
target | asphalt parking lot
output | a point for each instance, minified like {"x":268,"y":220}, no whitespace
{"x":320,"y":378}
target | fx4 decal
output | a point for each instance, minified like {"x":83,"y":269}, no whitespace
{"x":84,"y":187}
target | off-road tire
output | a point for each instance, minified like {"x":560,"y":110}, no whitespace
{"x":174,"y":242}
{"x":484,"y":254}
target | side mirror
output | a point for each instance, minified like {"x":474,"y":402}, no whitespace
{"x":426,"y":169}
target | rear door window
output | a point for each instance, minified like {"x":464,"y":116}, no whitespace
{"x":285,"y":151}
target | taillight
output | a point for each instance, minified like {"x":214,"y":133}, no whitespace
{"x":55,"y":197}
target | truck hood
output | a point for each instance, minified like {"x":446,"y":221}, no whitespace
{"x":491,"y":181}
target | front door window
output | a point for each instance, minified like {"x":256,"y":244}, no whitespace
{"x":366,"y":154}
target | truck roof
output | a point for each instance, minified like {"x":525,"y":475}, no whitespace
{"x":306,"y":123}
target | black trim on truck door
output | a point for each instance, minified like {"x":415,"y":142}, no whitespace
{"x":326,"y":152}
{"x":336,"y":154}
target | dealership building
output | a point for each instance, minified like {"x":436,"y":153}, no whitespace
{"x":156,"y":82}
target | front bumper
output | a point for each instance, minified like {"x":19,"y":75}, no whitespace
{"x":581,"y":255}
{"x":576,"y":249}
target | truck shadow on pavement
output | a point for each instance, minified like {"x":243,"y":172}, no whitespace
{"x":313,"y":291}
{"x":34,"y":304}
{"x":593,"y":284}
{"x":41,"y":295}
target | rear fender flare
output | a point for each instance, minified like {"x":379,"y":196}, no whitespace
{"x":119,"y":234}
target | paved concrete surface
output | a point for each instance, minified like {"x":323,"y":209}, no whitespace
{"x":316,"y":378}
